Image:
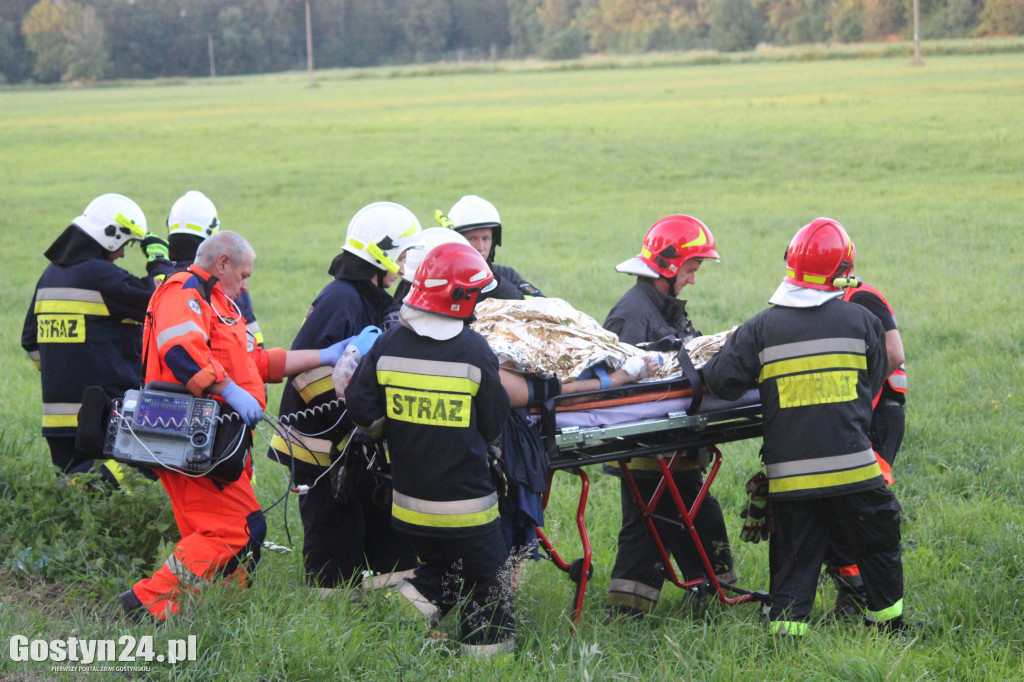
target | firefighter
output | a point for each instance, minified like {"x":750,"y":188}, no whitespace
{"x":193,"y":218}
{"x":84,"y":324}
{"x":888,"y":422}
{"x":478,"y":221}
{"x":818,"y":362}
{"x":651,"y":313}
{"x":431,"y":385}
{"x":346,"y":532}
{"x":195,"y":335}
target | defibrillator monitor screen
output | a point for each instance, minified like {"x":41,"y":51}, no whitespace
{"x":163,"y":413}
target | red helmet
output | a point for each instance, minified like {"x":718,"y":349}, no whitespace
{"x":669,"y":243}
{"x":820,"y":252}
{"x":449,"y":280}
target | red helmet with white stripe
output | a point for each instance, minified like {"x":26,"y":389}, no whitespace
{"x":449,"y":281}
{"x":819,"y":253}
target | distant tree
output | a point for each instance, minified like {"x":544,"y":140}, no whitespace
{"x":524,"y":27}
{"x":15,"y":58}
{"x":66,"y":40}
{"x":1002,"y":17}
{"x":792,"y":22}
{"x":426,"y":24}
{"x":735,"y":25}
{"x":847,"y":21}
{"x":480,"y":26}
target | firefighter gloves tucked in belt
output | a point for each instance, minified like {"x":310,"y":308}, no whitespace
{"x":756,"y":525}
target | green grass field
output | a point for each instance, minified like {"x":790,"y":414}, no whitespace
{"x":924,"y":166}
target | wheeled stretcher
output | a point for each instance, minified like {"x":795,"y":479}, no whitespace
{"x":660,"y":420}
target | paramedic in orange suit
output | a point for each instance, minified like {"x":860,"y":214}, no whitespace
{"x":194,"y":335}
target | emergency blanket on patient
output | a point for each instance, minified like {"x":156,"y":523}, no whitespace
{"x":549,"y":336}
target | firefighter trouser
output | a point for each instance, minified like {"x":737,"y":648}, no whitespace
{"x":65,"y":458}
{"x":870,"y":520}
{"x":474,"y":575}
{"x":342,"y":540}
{"x":222,"y":532}
{"x":888,"y":422}
{"x":636,"y":576}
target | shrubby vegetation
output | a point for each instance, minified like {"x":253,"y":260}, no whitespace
{"x":84,"y":40}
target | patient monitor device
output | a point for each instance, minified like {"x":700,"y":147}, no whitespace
{"x":163,"y":430}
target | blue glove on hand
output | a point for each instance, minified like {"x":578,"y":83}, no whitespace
{"x":243,"y":403}
{"x":363,"y":341}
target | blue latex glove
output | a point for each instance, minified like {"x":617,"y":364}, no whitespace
{"x":243,"y":403}
{"x":363,"y":341}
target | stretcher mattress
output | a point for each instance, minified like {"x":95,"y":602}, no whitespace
{"x":638,"y":412}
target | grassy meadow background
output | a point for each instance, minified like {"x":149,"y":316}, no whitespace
{"x":924,"y":166}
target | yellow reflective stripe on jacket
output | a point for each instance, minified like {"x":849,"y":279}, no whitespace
{"x":56,"y":415}
{"x":801,"y":348}
{"x":314,"y":383}
{"x":315,"y":451}
{"x":445,"y":514}
{"x":823,"y":472}
{"x":430,"y":375}
{"x":70,"y":300}
{"x":813,"y":363}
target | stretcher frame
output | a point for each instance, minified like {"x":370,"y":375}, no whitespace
{"x":574,"y":448}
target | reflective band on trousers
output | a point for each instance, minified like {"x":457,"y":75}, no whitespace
{"x":56,"y":415}
{"x":488,"y":650}
{"x":447,"y":514}
{"x":824,"y":472}
{"x":894,"y":611}
{"x":178,"y":330}
{"x":70,"y":300}
{"x":788,"y":627}
{"x":621,"y":586}
{"x":313,"y":383}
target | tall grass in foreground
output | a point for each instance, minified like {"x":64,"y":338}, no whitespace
{"x":923,"y":165}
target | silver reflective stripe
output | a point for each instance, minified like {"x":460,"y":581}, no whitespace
{"x":33,"y":355}
{"x":898,"y":380}
{"x":61,"y":408}
{"x":488,"y":650}
{"x":68,"y":294}
{"x":437,"y":368}
{"x":302,"y":381}
{"x":422,"y":604}
{"x":171,"y":333}
{"x":633,"y":587}
{"x":253,"y":327}
{"x":183,"y":574}
{"x":446,"y":508}
{"x":803,"y":348}
{"x":821,"y":464}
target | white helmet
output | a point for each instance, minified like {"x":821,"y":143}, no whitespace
{"x":379,"y":233}
{"x":429,"y":238}
{"x":193,"y":213}
{"x":112,"y":220}
{"x":475,"y":213}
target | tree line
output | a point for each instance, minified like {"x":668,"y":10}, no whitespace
{"x":81,"y":40}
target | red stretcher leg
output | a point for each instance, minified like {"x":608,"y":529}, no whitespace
{"x":580,"y":570}
{"x":687,"y":517}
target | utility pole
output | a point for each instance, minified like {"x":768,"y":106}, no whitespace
{"x":309,"y":45}
{"x":917,"y":33}
{"x":209,"y":47}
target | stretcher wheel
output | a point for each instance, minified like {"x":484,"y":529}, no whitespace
{"x":576,"y":571}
